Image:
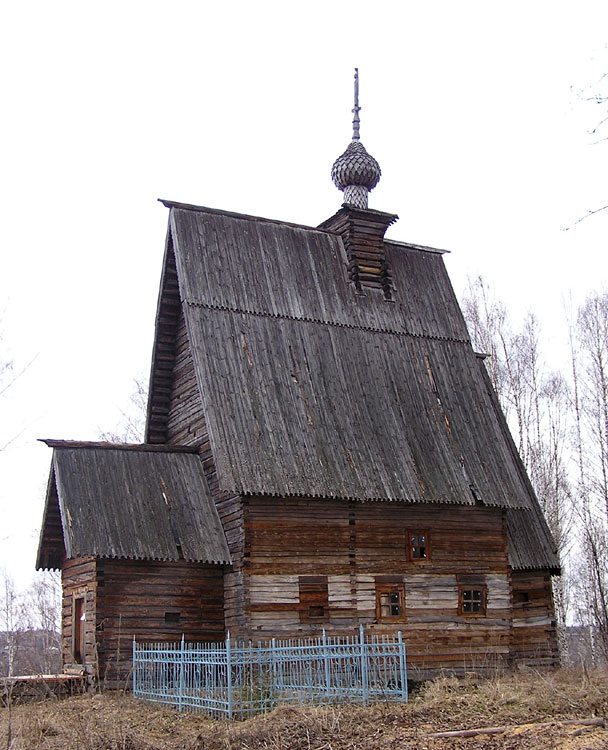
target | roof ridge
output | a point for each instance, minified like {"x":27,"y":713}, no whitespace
{"x":235,"y":215}
{"x":135,"y":447}
{"x":280,"y":222}
{"x":319,"y":321}
{"x":414,"y":246}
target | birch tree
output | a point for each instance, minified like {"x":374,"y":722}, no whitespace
{"x":589,"y":362}
{"x":42,"y":614}
{"x":11,"y":623}
{"x":535,"y":401}
{"x":131,"y":426}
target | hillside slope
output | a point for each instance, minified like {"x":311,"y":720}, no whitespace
{"x":535,"y":710}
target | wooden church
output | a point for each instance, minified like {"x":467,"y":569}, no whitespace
{"x":323,"y":449}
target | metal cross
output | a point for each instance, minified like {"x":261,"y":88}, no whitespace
{"x":356,"y":109}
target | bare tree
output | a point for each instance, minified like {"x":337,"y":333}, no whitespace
{"x":6,"y":380}
{"x":42,"y":613}
{"x":11,"y":624}
{"x":486,"y":318}
{"x":553,"y":486}
{"x":513,"y":362}
{"x":596,"y":95}
{"x":30,"y":640}
{"x":536,"y":402}
{"x":133,"y":418}
{"x":6,"y":369}
{"x":9,"y":375}
{"x":592,"y":332}
{"x":589,"y":361}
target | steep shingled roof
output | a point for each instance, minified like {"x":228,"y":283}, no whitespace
{"x":531,"y":545}
{"x":312,"y":389}
{"x":128,"y":501}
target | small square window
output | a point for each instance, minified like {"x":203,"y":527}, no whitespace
{"x":172,"y":617}
{"x":472,"y":600}
{"x":390,"y":602}
{"x":418,"y":547}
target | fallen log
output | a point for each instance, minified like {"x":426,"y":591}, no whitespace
{"x":470,"y":732}
{"x":595,"y":722}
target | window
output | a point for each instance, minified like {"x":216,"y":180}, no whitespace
{"x":316,"y":611}
{"x":172,"y":617}
{"x":390,"y":602}
{"x":472,"y":600}
{"x":314,"y":599}
{"x":78,"y":624}
{"x":418,"y":547}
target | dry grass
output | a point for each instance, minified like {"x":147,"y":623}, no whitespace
{"x":520,"y":701}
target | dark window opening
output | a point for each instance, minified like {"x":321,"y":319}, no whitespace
{"x":521,"y":597}
{"x":172,"y":617}
{"x":314,"y":598}
{"x":418,"y":545}
{"x":390,"y":602}
{"x":78,"y":624}
{"x":472,"y":600}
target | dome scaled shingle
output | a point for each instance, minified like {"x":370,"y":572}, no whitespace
{"x":355,"y":167}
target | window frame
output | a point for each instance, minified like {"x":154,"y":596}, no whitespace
{"x":410,"y":534}
{"x":482,"y":587}
{"x":390,"y":588}
{"x":79,"y":614}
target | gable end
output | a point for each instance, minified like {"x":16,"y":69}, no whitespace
{"x":163,"y":354}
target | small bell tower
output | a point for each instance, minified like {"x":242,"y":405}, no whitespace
{"x":362,"y":229}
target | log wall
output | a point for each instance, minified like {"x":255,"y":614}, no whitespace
{"x":185,"y":420}
{"x":153,"y":601}
{"x":534,"y":628}
{"x":79,"y":582}
{"x":361,"y":547}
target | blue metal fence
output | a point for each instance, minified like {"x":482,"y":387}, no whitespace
{"x":235,"y":680}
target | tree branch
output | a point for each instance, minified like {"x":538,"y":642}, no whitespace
{"x":586,"y":216}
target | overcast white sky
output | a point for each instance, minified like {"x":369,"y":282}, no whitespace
{"x":470,"y":108}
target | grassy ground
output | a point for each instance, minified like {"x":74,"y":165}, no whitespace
{"x":533,"y":706}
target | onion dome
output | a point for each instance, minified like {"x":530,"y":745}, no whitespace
{"x":356,"y":172}
{"x":355,"y":167}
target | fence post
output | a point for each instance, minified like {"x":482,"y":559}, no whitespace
{"x":364,"y":685}
{"x":181,"y":673}
{"x":326,"y":665}
{"x":229,"y":675}
{"x":134,"y":668}
{"x":275,"y":686}
{"x":262,"y":699}
{"x":402,"y":667}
